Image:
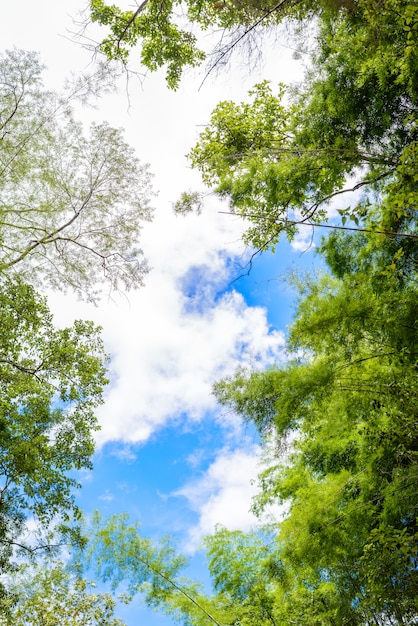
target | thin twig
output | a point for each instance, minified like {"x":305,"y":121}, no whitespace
{"x":241,"y":37}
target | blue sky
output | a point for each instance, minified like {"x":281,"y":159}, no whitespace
{"x":166,"y":453}
{"x":156,"y":481}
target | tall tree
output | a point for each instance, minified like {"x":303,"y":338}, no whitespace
{"x":71,"y":206}
{"x":348,"y":402}
{"x":351,"y":126}
{"x":355,"y":117}
{"x":51,"y":381}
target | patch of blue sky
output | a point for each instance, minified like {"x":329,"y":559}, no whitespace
{"x":143,"y":479}
{"x":203,"y":285}
{"x":265,"y":281}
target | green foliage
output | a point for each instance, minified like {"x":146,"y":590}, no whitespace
{"x":165,"y":31}
{"x":163,"y":42}
{"x":71,"y":207}
{"x":355,"y":115}
{"x":189,"y":202}
{"x":119,"y":554}
{"x":239,"y":564}
{"x":348,"y":546}
{"x":51,"y":596}
{"x":51,"y":381}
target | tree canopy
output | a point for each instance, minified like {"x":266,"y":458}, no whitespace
{"x":350,"y":126}
{"x":347,"y":401}
{"x":71,"y":206}
{"x":51,"y":382}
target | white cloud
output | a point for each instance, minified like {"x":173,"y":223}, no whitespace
{"x":304,"y":239}
{"x":165,"y":361}
{"x":107,"y":496}
{"x":223,"y":495}
{"x":165,"y":353}
{"x":166,"y":350}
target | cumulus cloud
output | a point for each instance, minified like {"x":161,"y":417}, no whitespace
{"x":165,"y":351}
{"x":223,"y":494}
{"x":186,"y":328}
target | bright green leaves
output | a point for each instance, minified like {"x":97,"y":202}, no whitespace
{"x":237,"y":131}
{"x":163,"y":42}
{"x":240,"y":565}
{"x":246,"y":153}
{"x":164,"y":32}
{"x":354,"y":117}
{"x":348,"y":404}
{"x":120,"y":554}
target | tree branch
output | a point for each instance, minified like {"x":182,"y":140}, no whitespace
{"x":229,"y":48}
{"x":285,"y":221}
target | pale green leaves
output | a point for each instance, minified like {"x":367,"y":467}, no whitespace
{"x":51,"y":596}
{"x":71,"y":206}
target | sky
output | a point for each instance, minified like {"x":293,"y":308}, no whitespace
{"x":166,"y":453}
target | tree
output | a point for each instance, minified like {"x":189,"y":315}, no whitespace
{"x":119,"y":554}
{"x":166,"y":32}
{"x":71,"y":207}
{"x":348,"y":401}
{"x":238,"y":564}
{"x":51,"y":381}
{"x":355,"y":116}
{"x":51,"y":596}
{"x":164,"y":39}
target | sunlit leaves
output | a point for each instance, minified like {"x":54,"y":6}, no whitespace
{"x":350,"y":397}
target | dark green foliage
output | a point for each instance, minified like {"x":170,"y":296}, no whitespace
{"x":51,"y":380}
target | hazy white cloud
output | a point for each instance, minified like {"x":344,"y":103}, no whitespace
{"x":304,"y":239}
{"x":107,"y":496}
{"x":223,"y":495}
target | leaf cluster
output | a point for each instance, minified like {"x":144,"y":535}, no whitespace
{"x":349,"y":401}
{"x":51,"y":381}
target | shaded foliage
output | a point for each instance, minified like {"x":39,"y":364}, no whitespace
{"x":51,"y":381}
